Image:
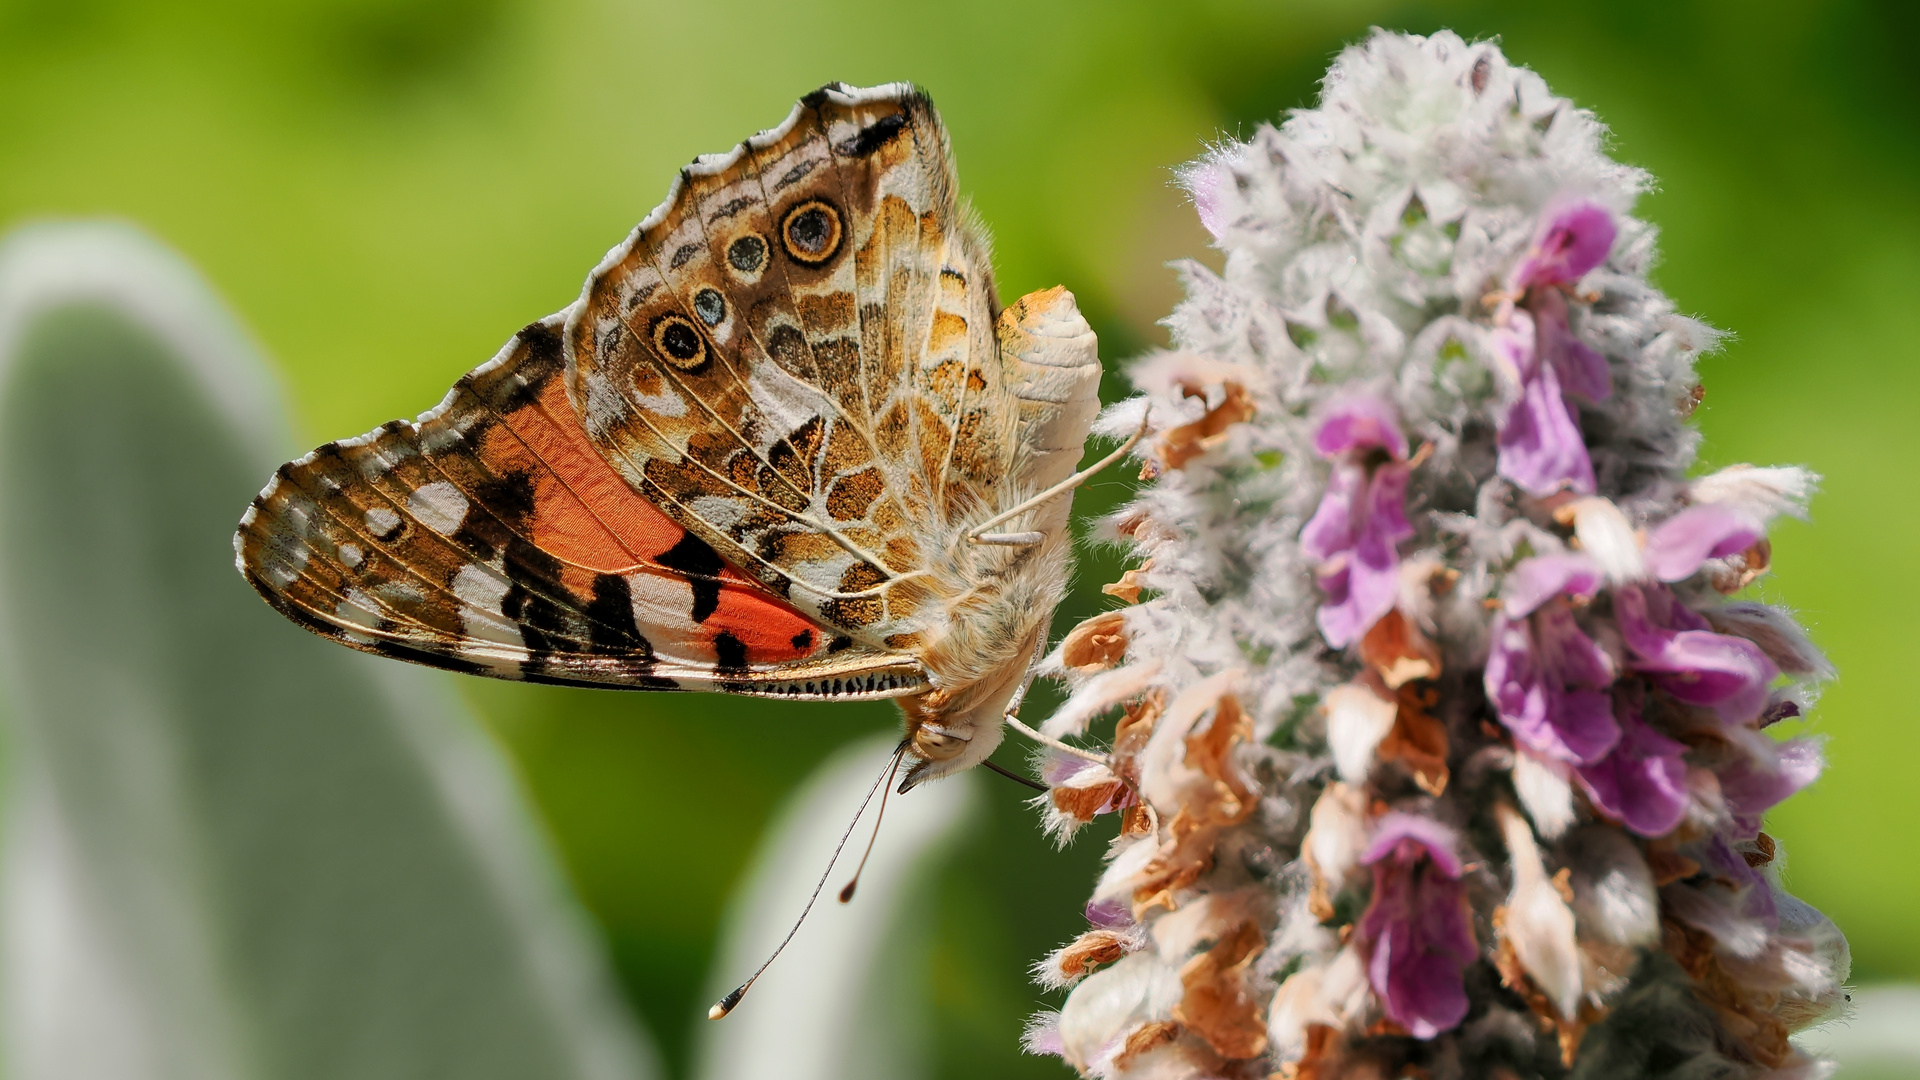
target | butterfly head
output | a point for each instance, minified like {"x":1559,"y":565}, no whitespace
{"x":949,"y":732}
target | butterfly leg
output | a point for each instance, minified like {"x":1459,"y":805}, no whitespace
{"x":1020,"y":695}
{"x":1019,"y":539}
{"x":981,"y":534}
{"x":1048,"y":740}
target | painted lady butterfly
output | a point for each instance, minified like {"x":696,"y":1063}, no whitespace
{"x":761,"y":454}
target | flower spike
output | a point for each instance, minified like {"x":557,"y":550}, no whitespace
{"x":1437,"y":746}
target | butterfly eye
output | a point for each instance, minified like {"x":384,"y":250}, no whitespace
{"x":676,"y":338}
{"x":811,"y":232}
{"x":710,"y":306}
{"x":747,"y":254}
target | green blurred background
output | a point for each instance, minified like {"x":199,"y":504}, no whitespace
{"x":387,"y":189}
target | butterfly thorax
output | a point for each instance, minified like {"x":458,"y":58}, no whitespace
{"x":982,"y":658}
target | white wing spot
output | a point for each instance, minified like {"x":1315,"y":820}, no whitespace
{"x":478,"y":587}
{"x":358,"y":608}
{"x":382,"y":520}
{"x":352,"y":555}
{"x":439,"y":506}
{"x":483,"y":592}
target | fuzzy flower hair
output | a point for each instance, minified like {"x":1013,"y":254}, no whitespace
{"x":1439,"y":744}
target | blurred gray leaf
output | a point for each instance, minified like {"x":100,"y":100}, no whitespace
{"x":847,"y":1000}
{"x":234,"y":850}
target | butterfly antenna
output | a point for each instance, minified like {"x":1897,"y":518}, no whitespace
{"x":726,"y":1004}
{"x":1014,"y":776}
{"x":980,"y":534}
{"x":846,"y":892}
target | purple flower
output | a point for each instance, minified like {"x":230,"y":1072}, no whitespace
{"x":1361,"y":519}
{"x":1689,"y":538}
{"x":1580,"y":367}
{"x":1540,"y":445}
{"x":1058,"y":768}
{"x":1109,"y":914}
{"x":1752,"y":897}
{"x":1643,"y":781}
{"x":1574,"y":236}
{"x":1689,"y":661}
{"x":1417,"y":933}
{"x":1546,"y":678}
{"x":1766,"y":775}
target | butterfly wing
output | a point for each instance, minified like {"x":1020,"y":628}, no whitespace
{"x":746,"y":459}
{"x":795,"y":357}
{"x":488,"y":536}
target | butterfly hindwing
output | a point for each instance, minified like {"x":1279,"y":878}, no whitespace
{"x":489,"y":536}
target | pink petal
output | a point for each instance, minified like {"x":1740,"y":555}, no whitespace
{"x":1109,"y":913}
{"x":1433,"y":840}
{"x":1574,"y":237}
{"x":1549,"y":693}
{"x":1710,"y":531}
{"x":1543,"y":577}
{"x":1334,"y":526}
{"x":1752,"y":786}
{"x":1417,"y":932}
{"x":1582,"y":370}
{"x":1421,"y":987}
{"x":1361,"y":421}
{"x":1540,"y":446}
{"x":1695,"y":666}
{"x":1568,"y":651}
{"x":1355,"y":533}
{"x":1643,"y":782}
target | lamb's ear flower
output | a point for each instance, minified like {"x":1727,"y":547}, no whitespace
{"x":1777,"y":635}
{"x":1689,"y":538}
{"x":1357,"y":424}
{"x":1642,"y":781}
{"x":1417,"y":932}
{"x":1545,"y":677}
{"x":1535,"y":581}
{"x":1434,"y":537}
{"x":1688,"y":660}
{"x":1541,"y":448}
{"x":1763,"y":774}
{"x":1582,"y":370}
{"x":1575,"y":235}
{"x":1356,"y":531}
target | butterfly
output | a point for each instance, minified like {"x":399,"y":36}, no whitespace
{"x":786,"y":443}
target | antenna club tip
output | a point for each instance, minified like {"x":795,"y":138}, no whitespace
{"x":846,"y":894}
{"x":725,"y":1005}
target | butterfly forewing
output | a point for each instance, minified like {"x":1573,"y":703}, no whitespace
{"x":833,"y":249}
